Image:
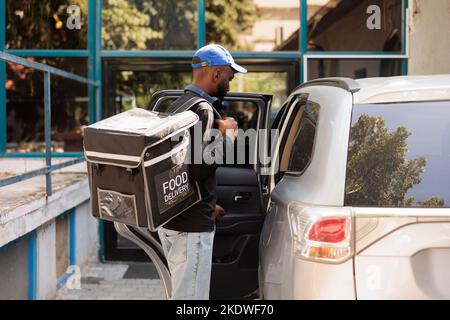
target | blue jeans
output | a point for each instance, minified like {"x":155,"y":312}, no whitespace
{"x":189,"y":256}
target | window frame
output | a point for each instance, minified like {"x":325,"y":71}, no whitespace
{"x":95,"y":54}
{"x":404,"y":37}
{"x":286,"y":114}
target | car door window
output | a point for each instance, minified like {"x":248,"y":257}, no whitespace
{"x":288,"y":127}
{"x":281,"y":114}
{"x":249,"y":116}
{"x":299,"y":145}
{"x":245,"y":113}
{"x":165,"y":103}
{"x":275,"y":126}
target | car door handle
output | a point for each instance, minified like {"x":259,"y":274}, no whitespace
{"x":242,"y":196}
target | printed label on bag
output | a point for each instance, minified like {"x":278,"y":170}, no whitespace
{"x":172,"y":187}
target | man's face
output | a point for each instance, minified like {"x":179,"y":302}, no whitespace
{"x":225,"y":75}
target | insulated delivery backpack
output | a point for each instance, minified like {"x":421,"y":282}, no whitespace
{"x":136,"y":167}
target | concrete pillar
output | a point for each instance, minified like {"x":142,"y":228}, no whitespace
{"x":46,"y":264}
{"x":86,"y":235}
{"x":429,"y":34}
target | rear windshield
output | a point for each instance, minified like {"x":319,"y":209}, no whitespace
{"x":399,"y":155}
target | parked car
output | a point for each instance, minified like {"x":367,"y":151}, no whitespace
{"x":360,"y":210}
{"x":355,"y":205}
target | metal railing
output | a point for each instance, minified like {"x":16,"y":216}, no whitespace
{"x":48,"y":71}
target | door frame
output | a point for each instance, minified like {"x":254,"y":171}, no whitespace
{"x":112,"y":65}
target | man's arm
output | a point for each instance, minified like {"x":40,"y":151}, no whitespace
{"x":199,"y":169}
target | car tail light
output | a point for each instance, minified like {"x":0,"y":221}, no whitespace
{"x":321,"y":233}
{"x":330,"y":230}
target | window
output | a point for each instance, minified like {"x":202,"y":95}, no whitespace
{"x":254,"y":25}
{"x":353,"y":68}
{"x":149,"y":25}
{"x":246,"y":114}
{"x":355,"y":25}
{"x":298,"y":118}
{"x":25,"y":107}
{"x":46,"y":24}
{"x":289,"y":119}
{"x":134,"y":88}
{"x":302,"y":147}
{"x":273,"y":83}
{"x":398,"y":155}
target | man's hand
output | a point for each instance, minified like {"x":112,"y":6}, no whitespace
{"x":228,"y":126}
{"x":218,"y":213}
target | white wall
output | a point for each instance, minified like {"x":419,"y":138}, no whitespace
{"x":86,"y":235}
{"x":429,"y":37}
{"x":46,"y":261}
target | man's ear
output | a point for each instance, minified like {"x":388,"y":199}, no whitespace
{"x":216,"y":74}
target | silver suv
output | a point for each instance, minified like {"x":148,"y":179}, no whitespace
{"x":353,"y":205}
{"x":360,"y":206}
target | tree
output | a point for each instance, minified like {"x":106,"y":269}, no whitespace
{"x":149,"y":24}
{"x":126,"y":27}
{"x":172,"y":24}
{"x":378,"y":173}
{"x":227,"y":19}
{"x":138,"y":86}
{"x":41,"y":24}
{"x":128,"y":24}
{"x":433,"y":202}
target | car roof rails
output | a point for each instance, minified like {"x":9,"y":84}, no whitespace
{"x":347,"y":84}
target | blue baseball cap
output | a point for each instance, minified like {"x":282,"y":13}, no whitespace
{"x":215,"y":55}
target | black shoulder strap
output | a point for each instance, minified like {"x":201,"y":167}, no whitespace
{"x":193,"y":102}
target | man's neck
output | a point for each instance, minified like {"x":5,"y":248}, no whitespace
{"x":201,"y":92}
{"x":213,"y":100}
{"x":202,"y":87}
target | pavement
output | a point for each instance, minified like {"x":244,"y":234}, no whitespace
{"x":115,"y":281}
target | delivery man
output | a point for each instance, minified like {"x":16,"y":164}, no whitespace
{"x":187,"y":240}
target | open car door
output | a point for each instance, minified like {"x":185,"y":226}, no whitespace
{"x":240,"y":191}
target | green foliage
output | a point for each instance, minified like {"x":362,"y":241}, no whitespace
{"x":125,"y":27}
{"x":138,"y":87}
{"x":129,"y":24}
{"x":262,"y":82}
{"x":433,"y":202}
{"x":149,"y":24}
{"x":227,"y":19}
{"x":378,"y":173}
{"x":172,"y":24}
{"x":37,"y":24}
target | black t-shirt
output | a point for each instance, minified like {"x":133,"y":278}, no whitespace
{"x":198,"y":218}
